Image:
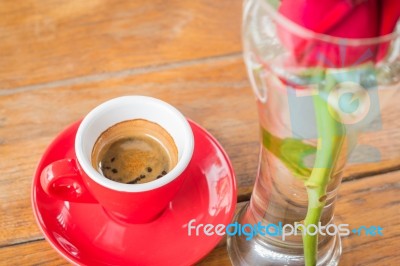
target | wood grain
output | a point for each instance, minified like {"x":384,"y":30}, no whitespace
{"x":215,"y":93}
{"x":31,"y":253}
{"x":51,"y":40}
{"x":368,"y":201}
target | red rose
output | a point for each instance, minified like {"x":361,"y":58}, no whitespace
{"x":340,"y":18}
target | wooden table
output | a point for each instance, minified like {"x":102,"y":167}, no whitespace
{"x":59,"y":59}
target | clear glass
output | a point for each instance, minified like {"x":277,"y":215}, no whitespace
{"x":284,"y":82}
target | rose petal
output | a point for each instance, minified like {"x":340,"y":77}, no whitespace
{"x":389,"y":15}
{"x":340,"y":18}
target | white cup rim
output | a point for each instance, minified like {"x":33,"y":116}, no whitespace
{"x":96,"y":113}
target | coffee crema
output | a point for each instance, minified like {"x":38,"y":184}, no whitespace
{"x":134,"y":151}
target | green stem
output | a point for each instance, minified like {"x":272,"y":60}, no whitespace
{"x":330,"y":140}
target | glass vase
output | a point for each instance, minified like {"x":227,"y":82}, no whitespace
{"x":297,"y":75}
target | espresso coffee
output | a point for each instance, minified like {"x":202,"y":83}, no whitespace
{"x":134,"y":151}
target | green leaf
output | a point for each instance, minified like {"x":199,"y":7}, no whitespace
{"x":291,"y":152}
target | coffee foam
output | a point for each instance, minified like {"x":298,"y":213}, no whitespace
{"x":134,"y":151}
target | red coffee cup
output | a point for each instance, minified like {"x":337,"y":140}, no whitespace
{"x":75,"y":180}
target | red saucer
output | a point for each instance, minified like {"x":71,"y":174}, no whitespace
{"x":83,"y":233}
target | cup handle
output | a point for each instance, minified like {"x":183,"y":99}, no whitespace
{"x":62,"y":180}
